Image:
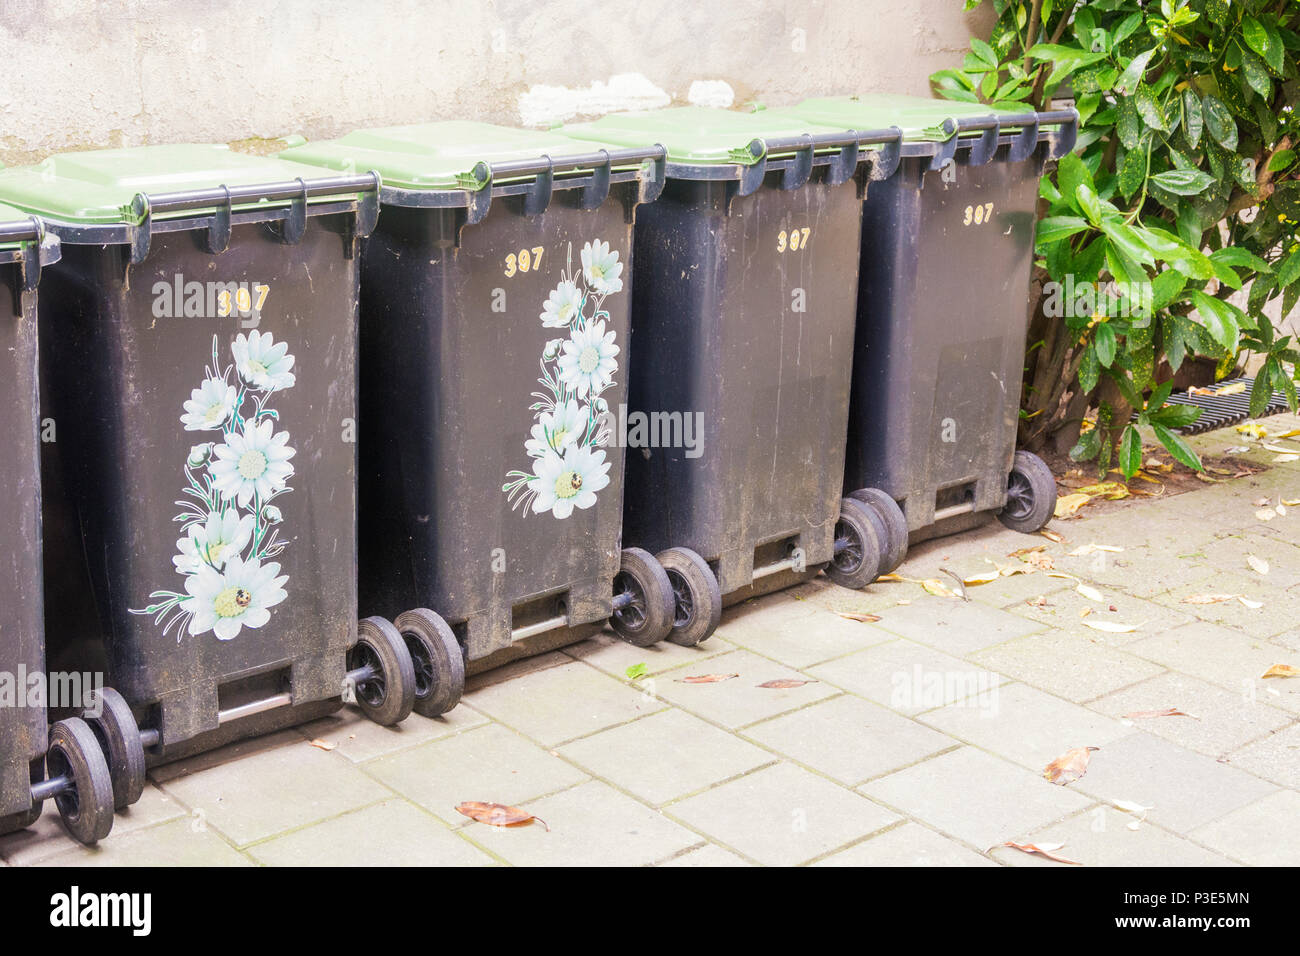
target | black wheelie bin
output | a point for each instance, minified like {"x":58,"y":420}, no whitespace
{"x":746,"y":282}
{"x":494,"y":337}
{"x":947,"y":249}
{"x":37,"y":762}
{"x":198,"y":374}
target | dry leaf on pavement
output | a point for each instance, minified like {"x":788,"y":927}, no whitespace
{"x":785,"y":683}
{"x":706,"y":678}
{"x":1282,"y":670}
{"x":1091,"y":593}
{"x":1208,"y":598}
{"x":498,"y":814}
{"x":323,"y":744}
{"x":1257,"y":564}
{"x":1042,"y":849}
{"x":1111,"y":628}
{"x":860,"y":618}
{"x":1167,"y":712}
{"x":1070,"y":766}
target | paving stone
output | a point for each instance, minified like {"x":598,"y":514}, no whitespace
{"x":1226,"y":657}
{"x":358,"y":738}
{"x":1064,"y":613}
{"x":1074,"y":666}
{"x":1288,"y":639}
{"x":1260,"y":833}
{"x":740,"y":701}
{"x":590,"y":825}
{"x":907,"y":845}
{"x":607,"y":653}
{"x":561,"y":703}
{"x":1101,"y":837}
{"x":908,"y":677}
{"x":392,"y":833}
{"x":800,"y":641}
{"x":1226,"y":720}
{"x":876,"y":598}
{"x":178,"y":843}
{"x":849,"y":739}
{"x":1279,"y":613}
{"x":1184,"y":789}
{"x":1282,"y":554}
{"x":47,"y":837}
{"x":274,"y":790}
{"x":955,"y":627}
{"x":708,"y":855}
{"x":1136,"y":572}
{"x":1275,"y":757}
{"x":492,"y":764}
{"x":665,"y":755}
{"x":975,"y":797}
{"x":1027,"y":726}
{"x":782,"y":815}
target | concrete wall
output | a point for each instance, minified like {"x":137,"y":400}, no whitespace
{"x":88,"y":73}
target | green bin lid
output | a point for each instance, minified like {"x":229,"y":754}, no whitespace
{"x":439,"y":155}
{"x":697,"y":135}
{"x":98,"y":186}
{"x":920,"y":118}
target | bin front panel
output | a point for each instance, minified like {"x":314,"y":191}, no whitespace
{"x":743,"y":321}
{"x":177,"y":427}
{"x":459,"y":504}
{"x":22,"y":717}
{"x":941,"y":333}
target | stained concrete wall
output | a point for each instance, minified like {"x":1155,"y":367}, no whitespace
{"x":86,"y":73}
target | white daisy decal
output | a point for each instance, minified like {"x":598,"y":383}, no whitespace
{"x":569,"y":481}
{"x":226,"y":601}
{"x":601,"y":268}
{"x":562,"y":306}
{"x":261,"y":362}
{"x":254,"y":462}
{"x":587,"y":363}
{"x":214,"y":542}
{"x":558,"y":429}
{"x":210,"y":405}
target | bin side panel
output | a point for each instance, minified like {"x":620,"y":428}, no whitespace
{"x":22,"y":716}
{"x":941,"y":334}
{"x":453,"y":353}
{"x":744,"y":318}
{"x":126,"y":349}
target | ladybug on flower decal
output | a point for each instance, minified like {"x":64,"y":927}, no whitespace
{"x":568,"y":466}
{"x":228,"y":523}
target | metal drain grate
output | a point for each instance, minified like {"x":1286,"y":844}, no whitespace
{"x":1218,"y":411}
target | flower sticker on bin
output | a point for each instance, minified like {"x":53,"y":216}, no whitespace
{"x":568,"y":466}
{"x":228,"y":523}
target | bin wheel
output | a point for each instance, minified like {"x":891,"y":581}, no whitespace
{"x":86,"y":807}
{"x":857,"y":557}
{"x":1031,"y":494}
{"x":697,"y":599}
{"x":119,"y":736}
{"x":438,"y":660}
{"x":387,"y":698}
{"x":647,"y":615}
{"x":894,"y":539}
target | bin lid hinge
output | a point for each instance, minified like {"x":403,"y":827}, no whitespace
{"x":983,"y":149}
{"x":218,"y":238}
{"x":799,"y":171}
{"x":653,"y":184}
{"x":1024,"y":144}
{"x":539,"y":194}
{"x":597,"y":191}
{"x":947,"y":149}
{"x":141,"y":231}
{"x":368,"y":208}
{"x":294,"y":225}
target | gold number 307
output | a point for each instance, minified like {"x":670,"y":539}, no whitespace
{"x":794,"y":240}
{"x":978,"y":214}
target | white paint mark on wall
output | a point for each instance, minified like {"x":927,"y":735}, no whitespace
{"x":544,"y":106}
{"x":716,"y":93}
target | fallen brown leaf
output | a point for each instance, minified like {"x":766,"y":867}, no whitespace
{"x":1282,"y":670}
{"x":498,"y":814}
{"x":323,"y":744}
{"x":1045,"y":849}
{"x":1208,"y":598}
{"x":860,"y":618}
{"x":1070,"y":766}
{"x":1167,"y":712}
{"x":785,"y":683}
{"x":706,"y":678}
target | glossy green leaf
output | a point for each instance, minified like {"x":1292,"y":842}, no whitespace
{"x":1177,"y":447}
{"x":1183,"y":182}
{"x":1130,"y":452}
